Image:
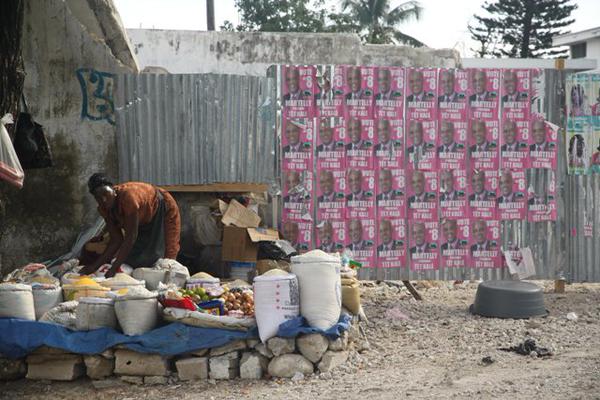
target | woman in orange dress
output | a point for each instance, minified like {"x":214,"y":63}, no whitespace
{"x":143,"y":222}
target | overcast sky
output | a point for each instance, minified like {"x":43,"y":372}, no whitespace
{"x":442,"y":25}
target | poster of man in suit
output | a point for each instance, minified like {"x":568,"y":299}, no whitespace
{"x":422,"y":195}
{"x":482,"y":194}
{"x":512,"y":202}
{"x":483,"y":91}
{"x":484,"y":243}
{"x":389,"y":100}
{"x":454,"y":243}
{"x":453,"y":193}
{"x":361,"y":241}
{"x":391,"y":248}
{"x":298,"y":88}
{"x":424,"y":252}
{"x":543,"y":148}
{"x":391,"y":193}
{"x":513,"y":144}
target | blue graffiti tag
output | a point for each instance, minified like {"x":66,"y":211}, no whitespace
{"x":97,"y":91}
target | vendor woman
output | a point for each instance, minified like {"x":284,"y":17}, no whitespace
{"x":142,"y":220}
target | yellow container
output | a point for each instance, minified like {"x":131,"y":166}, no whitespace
{"x":74,"y":292}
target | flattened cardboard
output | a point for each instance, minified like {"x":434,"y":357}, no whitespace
{"x":262,"y":234}
{"x":240,"y":216}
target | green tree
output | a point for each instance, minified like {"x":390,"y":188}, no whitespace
{"x":522,"y":28}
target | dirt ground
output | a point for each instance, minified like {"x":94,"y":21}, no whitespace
{"x":428,"y":349}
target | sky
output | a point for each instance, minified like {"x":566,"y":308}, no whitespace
{"x":442,"y":25}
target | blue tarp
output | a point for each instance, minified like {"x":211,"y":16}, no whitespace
{"x":20,"y":337}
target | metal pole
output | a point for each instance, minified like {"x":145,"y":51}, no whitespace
{"x":210,"y":15}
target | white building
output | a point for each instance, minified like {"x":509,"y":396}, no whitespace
{"x":584,"y":44}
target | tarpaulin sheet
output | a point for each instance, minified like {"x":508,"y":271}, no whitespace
{"x":298,"y":325}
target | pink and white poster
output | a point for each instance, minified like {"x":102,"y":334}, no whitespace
{"x":424,"y":252}
{"x":391,"y":243}
{"x":330,"y":94}
{"x":297,"y":142}
{"x":297,"y":195}
{"x":389,"y":147}
{"x":484,"y":89}
{"x":421,"y":145}
{"x":331,"y":236}
{"x":512,"y":198}
{"x":298,"y":87}
{"x":482,"y":189}
{"x":454,"y":243}
{"x":421,"y":89}
{"x":391,"y":189}
{"x":516,"y":94}
{"x":485,"y":243}
{"x":361,"y":239}
{"x":331,"y":199}
{"x":514,"y":147}
{"x":389,"y":99}
{"x":360,"y":193}
{"x":422,"y":195}
{"x":543,"y":147}
{"x":298,"y":233}
{"x":542,"y":200}
{"x":483,"y":144}
{"x":452,"y":151}
{"x":331,"y":148}
{"x":452,"y":97}
{"x":453,"y":193}
{"x":359,"y":143}
{"x":359,"y":91}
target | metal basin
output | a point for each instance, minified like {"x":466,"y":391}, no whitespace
{"x":509,"y":299}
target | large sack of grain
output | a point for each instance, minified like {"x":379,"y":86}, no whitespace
{"x":95,"y":312}
{"x":16,"y":301}
{"x":45,"y":298}
{"x":136,"y":310}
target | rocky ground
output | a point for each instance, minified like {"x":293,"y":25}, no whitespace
{"x":428,"y":349}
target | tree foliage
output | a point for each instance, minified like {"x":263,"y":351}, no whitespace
{"x":521,"y":28}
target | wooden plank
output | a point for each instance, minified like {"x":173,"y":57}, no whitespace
{"x":219,"y":187}
{"x":412,"y":290}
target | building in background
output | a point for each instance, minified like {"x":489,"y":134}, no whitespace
{"x":583,"y":44}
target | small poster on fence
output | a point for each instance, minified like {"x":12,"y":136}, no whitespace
{"x":485,"y":243}
{"x":453,"y":193}
{"x":359,"y":92}
{"x":391,"y":243}
{"x":331,"y":198}
{"x":516,"y":93}
{"x":482,"y":189}
{"x":359,"y":143}
{"x":297,"y":142}
{"x":361,"y":238}
{"x":514,"y":145}
{"x":360,"y":193}
{"x":424,"y":254}
{"x":331,"y":150}
{"x":452,"y":151}
{"x":483,"y":144}
{"x":543,"y":144}
{"x":298,"y":233}
{"x":512,"y":199}
{"x":389,"y":100}
{"x":298,"y":87}
{"x":454,"y":243}
{"x":422,"y":195}
{"x":331,"y":236}
{"x":330,"y":94}
{"x":297,"y":195}
{"x":541,"y":204}
{"x":421,"y":89}
{"x":421,"y":145}
{"x":452,"y":98}
{"x":389,"y":147}
{"x":391,"y":193}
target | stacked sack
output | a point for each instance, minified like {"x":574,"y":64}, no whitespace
{"x":350,"y":290}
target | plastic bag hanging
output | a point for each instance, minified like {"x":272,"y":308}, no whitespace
{"x":10,"y":167}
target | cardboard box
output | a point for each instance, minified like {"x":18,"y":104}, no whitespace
{"x":241,"y":244}
{"x":238,"y":215}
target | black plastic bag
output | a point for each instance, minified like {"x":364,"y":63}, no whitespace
{"x":30,"y":142}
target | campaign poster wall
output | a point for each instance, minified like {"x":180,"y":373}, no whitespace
{"x":391,"y":193}
{"x":452,"y":98}
{"x":331,"y":236}
{"x":516,"y":94}
{"x":543,"y":144}
{"x":359,"y":91}
{"x":298,"y":233}
{"x":580,"y":138}
{"x":361,"y":239}
{"x":297,"y":143}
{"x":512,"y":198}
{"x":359,"y":143}
{"x":482,"y":189}
{"x":578,"y":92}
{"x":422,"y":195}
{"x":454,"y":243}
{"x":421,"y":144}
{"x":484,"y":90}
{"x":330,"y":95}
{"x":541,"y":204}
{"x":514,"y":145}
{"x":331,"y":147}
{"x":331,"y":194}
{"x":389,"y":99}
{"x":391,"y":243}
{"x":452,"y":149}
{"x":389,"y":147}
{"x":297,"y":195}
{"x":360,"y":193}
{"x":483,"y":144}
{"x":424,"y":252}
{"x":453,"y":193}
{"x":298,"y":87}
{"x":485,"y":243}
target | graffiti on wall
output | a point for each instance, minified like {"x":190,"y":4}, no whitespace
{"x":97,"y":95}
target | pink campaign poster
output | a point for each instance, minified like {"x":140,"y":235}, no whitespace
{"x":421,"y":145}
{"x":422,"y":195}
{"x":362,"y":234}
{"x":543,"y":147}
{"x":514,"y":146}
{"x":391,"y":243}
{"x":516,"y":94}
{"x":389,"y":98}
{"x":391,"y":190}
{"x":359,"y":143}
{"x":298,"y":233}
{"x":424,"y":254}
{"x":298,"y":88}
{"x":330,"y":94}
{"x":297,"y":142}
{"x":421,"y":90}
{"x":484,"y":88}
{"x":454,"y":243}
{"x":485,"y":243}
{"x":297,"y":195}
{"x":452,"y":94}
{"x":389,"y":147}
{"x":512,"y":199}
{"x":331,"y":200}
{"x":452,"y":151}
{"x":360,"y":193}
{"x":331,"y":236}
{"x":482,"y":189}
{"x":483,"y":144}
{"x":453,"y":193}
{"x":331,"y":150}
{"x":542,"y":201}
{"x":359,"y":91}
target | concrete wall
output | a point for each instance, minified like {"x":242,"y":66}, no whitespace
{"x":251,"y":53}
{"x":66,"y":61}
